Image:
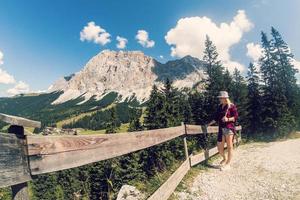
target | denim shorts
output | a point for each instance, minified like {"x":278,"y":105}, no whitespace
{"x":228,"y":132}
{"x":220,"y":134}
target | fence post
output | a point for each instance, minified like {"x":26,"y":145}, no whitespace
{"x":206,"y":150}
{"x":185,"y":143}
{"x":19,"y":191}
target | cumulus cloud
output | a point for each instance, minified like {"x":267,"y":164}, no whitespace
{"x":254,"y":51}
{"x":94,"y":33}
{"x":296,"y":64}
{"x":122,"y":42}
{"x":188,"y":37}
{"x":19,"y":88}
{"x":161,"y":57}
{"x":5,"y":77}
{"x":1,"y":58}
{"x":142,"y":37}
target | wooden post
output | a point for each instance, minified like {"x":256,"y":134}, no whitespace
{"x":185,"y":144}
{"x":206,"y":150}
{"x":19,"y":191}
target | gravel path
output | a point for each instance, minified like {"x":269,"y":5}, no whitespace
{"x":258,"y":171}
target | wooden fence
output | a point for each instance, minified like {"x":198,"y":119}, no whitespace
{"x":23,"y":156}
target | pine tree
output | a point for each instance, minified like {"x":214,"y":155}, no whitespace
{"x":227,"y":81}
{"x":171,"y":104}
{"x":211,"y":57}
{"x":113,"y":125}
{"x":215,"y":81}
{"x":135,"y":123}
{"x":239,"y":95}
{"x":155,"y":111}
{"x":277,"y":118}
{"x":254,"y":102}
{"x":283,"y":59}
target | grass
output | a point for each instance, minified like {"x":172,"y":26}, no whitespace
{"x":189,"y":178}
{"x":123,"y":129}
{"x":151,"y":185}
{"x":80,"y":116}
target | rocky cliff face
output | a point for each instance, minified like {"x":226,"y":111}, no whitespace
{"x":129,"y":73}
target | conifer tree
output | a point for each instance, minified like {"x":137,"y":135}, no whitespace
{"x":113,"y":124}
{"x":135,"y":123}
{"x":277,"y":118}
{"x":239,"y":94}
{"x":254,"y":102}
{"x":215,"y":81}
{"x":171,"y":104}
{"x":155,"y":111}
{"x":287,"y":72}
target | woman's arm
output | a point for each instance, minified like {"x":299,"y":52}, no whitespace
{"x":235,"y":115}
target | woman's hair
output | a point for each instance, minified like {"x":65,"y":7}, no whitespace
{"x":228,"y":101}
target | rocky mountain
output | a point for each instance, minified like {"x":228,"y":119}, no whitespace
{"x":129,"y":73}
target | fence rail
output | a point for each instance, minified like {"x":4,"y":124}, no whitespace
{"x":22,"y":156}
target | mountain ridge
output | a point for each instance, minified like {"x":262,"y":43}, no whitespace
{"x":129,"y":73}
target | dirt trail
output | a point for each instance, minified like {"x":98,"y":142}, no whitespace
{"x":259,"y":171}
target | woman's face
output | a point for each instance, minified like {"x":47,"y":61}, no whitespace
{"x":222,"y":100}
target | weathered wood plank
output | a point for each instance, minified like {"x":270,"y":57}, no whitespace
{"x":166,"y":189}
{"x":54,"y":153}
{"x":13,"y":164}
{"x":19,"y":121}
{"x":197,"y":129}
{"x":196,"y":159}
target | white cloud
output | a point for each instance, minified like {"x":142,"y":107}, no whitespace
{"x":19,"y":88}
{"x":122,"y":42}
{"x":5,"y":77}
{"x":254,"y":51}
{"x":1,"y":58}
{"x":161,"y":57}
{"x":188,"y":37}
{"x":142,"y":37}
{"x":95,"y":33}
{"x":296,"y":64}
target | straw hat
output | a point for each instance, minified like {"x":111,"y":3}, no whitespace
{"x":223,"y":94}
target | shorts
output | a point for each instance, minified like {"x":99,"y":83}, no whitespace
{"x":220,"y":134}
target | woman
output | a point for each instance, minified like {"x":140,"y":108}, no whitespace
{"x":225,"y":116}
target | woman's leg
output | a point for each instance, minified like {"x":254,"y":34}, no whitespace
{"x":221,"y":149}
{"x":229,"y":147}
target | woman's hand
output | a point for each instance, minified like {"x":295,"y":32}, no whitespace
{"x":225,"y":119}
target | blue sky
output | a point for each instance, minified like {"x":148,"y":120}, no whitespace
{"x":40,"y":40}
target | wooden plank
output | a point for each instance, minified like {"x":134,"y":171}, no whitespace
{"x":166,"y":189}
{"x":196,"y":159}
{"x":19,"y":121}
{"x":197,"y":129}
{"x":53,"y":153}
{"x":13,"y":164}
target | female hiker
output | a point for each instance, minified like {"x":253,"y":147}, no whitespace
{"x":225,"y":116}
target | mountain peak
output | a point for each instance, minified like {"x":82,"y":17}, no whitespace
{"x":129,"y":73}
